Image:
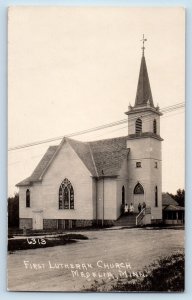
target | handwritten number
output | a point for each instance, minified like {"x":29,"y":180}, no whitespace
{"x":36,"y":241}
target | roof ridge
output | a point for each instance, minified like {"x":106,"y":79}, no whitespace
{"x":52,"y":158}
{"x":93,"y":159}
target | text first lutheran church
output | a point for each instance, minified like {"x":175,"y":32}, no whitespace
{"x":79,"y":184}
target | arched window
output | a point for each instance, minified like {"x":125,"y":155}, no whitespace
{"x":66,"y":195}
{"x":154,"y":126}
{"x":138,"y":126}
{"x":123,"y":195}
{"x":138,"y":189}
{"x":27,"y":198}
{"x":156,"y":196}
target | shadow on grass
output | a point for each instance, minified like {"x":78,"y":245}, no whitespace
{"x":164,"y":275}
{"x":34,"y":243}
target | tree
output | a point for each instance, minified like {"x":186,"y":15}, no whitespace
{"x":179,"y":197}
{"x":13,"y":211}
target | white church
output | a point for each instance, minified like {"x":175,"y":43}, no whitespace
{"x":79,"y":184}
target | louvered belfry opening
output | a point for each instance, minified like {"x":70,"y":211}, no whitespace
{"x":138,"y":126}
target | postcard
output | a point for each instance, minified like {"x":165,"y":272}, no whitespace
{"x":96,"y":187}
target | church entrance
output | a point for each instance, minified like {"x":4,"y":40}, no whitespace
{"x":138,"y":196}
{"x":38,"y":219}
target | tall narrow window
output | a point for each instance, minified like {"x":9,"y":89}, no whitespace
{"x":138,"y":189}
{"x":138,"y":126}
{"x":27,"y":198}
{"x":156,"y":196}
{"x":154,"y":126}
{"x":66,"y":195}
{"x":123,"y":195}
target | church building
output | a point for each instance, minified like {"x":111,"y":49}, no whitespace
{"x":79,"y":184}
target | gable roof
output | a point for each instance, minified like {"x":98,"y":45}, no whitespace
{"x":102,"y":158}
{"x":168,"y":200}
{"x":174,"y":208}
{"x":40,"y":167}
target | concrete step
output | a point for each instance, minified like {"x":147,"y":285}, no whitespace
{"x":126,"y":220}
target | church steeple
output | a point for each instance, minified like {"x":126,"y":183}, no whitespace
{"x":143,"y":95}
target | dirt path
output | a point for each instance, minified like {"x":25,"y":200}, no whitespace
{"x":103,"y":256}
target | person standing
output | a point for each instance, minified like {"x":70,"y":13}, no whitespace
{"x":131,"y":209}
{"x":126,"y":208}
{"x":139,"y":207}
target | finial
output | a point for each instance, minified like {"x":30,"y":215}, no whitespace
{"x":129,"y":107}
{"x":143,"y":40}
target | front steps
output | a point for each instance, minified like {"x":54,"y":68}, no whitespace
{"x":126,"y":220}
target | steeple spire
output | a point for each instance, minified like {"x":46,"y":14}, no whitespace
{"x":143,"y":95}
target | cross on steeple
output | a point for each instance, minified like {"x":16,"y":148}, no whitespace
{"x":143,"y":48}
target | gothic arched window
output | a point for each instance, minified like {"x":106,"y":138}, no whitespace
{"x":66,"y":195}
{"x":27,"y":198}
{"x":154,"y":126}
{"x":138,"y":126}
{"x":156,"y":196}
{"x":138,"y":189}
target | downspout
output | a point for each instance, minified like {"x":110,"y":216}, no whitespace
{"x":103,"y":199}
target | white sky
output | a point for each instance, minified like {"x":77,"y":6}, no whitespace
{"x":71,"y":69}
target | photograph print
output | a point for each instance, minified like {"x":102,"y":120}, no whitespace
{"x":96,"y":188}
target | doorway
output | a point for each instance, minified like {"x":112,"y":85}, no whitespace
{"x":37,"y":220}
{"x":138,"y":196}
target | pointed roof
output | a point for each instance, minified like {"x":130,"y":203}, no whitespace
{"x":168,"y":200}
{"x":143,"y":95}
{"x":102,"y":158}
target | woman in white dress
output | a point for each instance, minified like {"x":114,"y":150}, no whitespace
{"x":131,"y":208}
{"x":126,"y":209}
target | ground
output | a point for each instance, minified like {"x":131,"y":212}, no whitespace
{"x":81,"y":263}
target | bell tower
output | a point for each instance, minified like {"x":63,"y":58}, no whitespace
{"x":144,"y":142}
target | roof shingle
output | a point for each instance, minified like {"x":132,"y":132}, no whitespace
{"x":168,"y":200}
{"x":102,"y":158}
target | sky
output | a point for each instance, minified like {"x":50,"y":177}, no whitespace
{"x":71,"y":69}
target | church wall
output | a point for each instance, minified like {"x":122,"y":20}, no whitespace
{"x":148,"y":152}
{"x":94,"y":196}
{"x":44,"y":195}
{"x":67,"y":165}
{"x":122,"y":180}
{"x":26,"y":212}
{"x":109,"y":199}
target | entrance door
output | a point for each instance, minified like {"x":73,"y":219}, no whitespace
{"x":38,"y":220}
{"x":138,"y":196}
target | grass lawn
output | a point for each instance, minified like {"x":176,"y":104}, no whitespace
{"x":164,"y":275}
{"x":137,"y":247}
